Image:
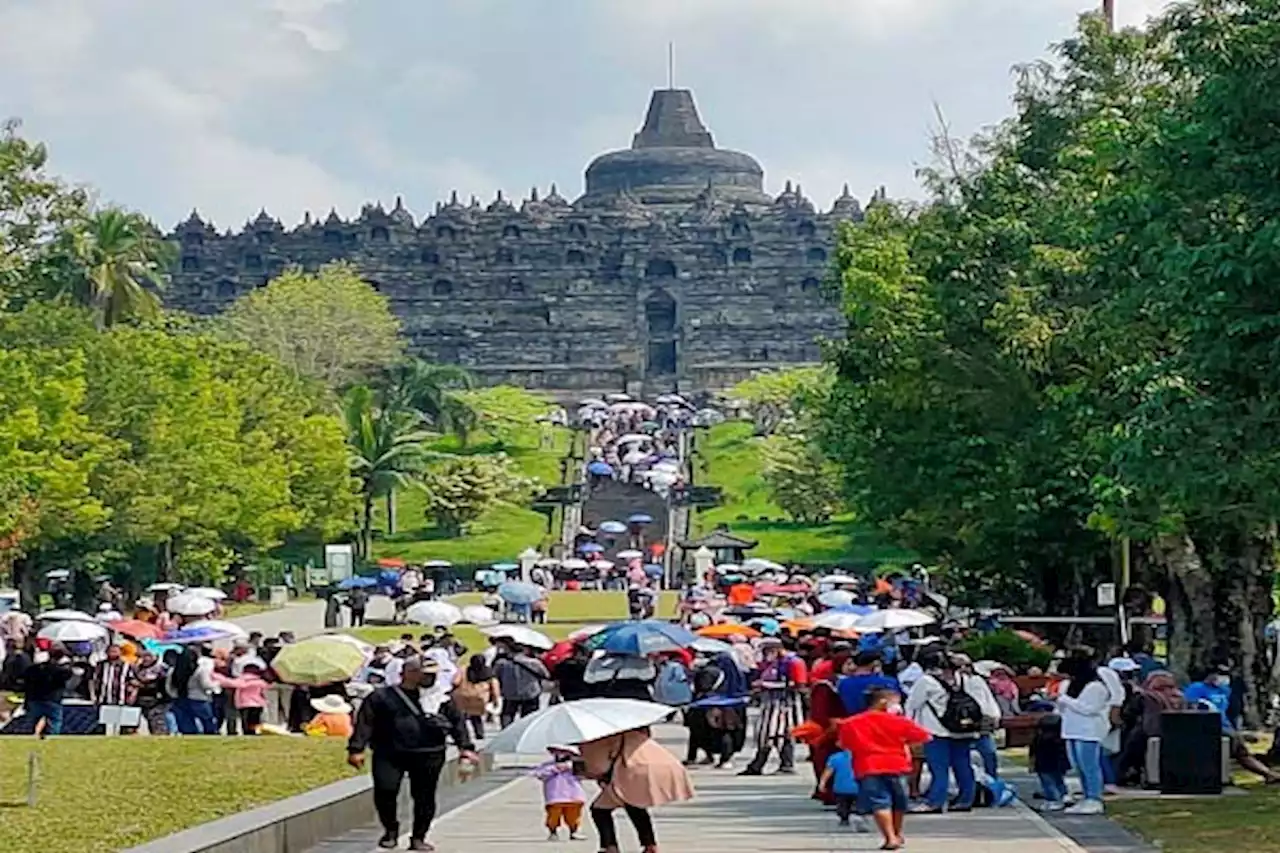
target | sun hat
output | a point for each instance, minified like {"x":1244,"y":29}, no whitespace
{"x":331,"y":705}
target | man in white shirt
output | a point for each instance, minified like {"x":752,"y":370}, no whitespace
{"x":948,"y":753}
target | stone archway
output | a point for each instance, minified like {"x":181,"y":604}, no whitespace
{"x":660,"y":317}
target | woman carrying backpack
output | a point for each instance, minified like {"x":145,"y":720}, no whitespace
{"x":939,"y":703}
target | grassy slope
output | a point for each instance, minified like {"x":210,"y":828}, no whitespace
{"x":104,"y":794}
{"x":1208,"y":824}
{"x":731,"y":457}
{"x":500,"y":535}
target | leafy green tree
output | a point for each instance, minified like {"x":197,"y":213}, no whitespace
{"x":773,"y":396}
{"x":800,"y":477}
{"x":436,"y":391}
{"x":461,"y":489}
{"x":329,"y":326}
{"x":504,"y":412}
{"x":121,"y":264}
{"x":388,"y":449}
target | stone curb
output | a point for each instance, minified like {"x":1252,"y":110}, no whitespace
{"x":298,"y":823}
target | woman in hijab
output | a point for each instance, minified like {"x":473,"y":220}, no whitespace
{"x":449,"y":676}
{"x":1005,"y":690}
{"x":1159,"y":693}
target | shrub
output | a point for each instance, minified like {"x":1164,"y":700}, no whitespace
{"x":1008,"y":648}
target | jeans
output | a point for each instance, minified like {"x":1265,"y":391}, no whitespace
{"x":49,"y":711}
{"x":946,"y":756}
{"x":985,"y":746}
{"x":1086,"y":758}
{"x":194,"y":717}
{"x":389,"y":770}
{"x":1053,"y":786}
{"x":1108,"y":764}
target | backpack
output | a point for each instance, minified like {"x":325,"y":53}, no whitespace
{"x":963,"y":714}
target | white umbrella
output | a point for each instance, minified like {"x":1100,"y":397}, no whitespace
{"x":634,"y":438}
{"x":895,"y":620}
{"x":434,"y":613}
{"x":835,"y":620}
{"x":191,"y":605}
{"x":986,"y":667}
{"x":57,"y":574}
{"x":758,"y":564}
{"x":206,"y":592}
{"x":231,"y":629}
{"x":618,"y":397}
{"x":576,"y":722}
{"x":593,"y":403}
{"x":603,"y":564}
{"x":73,"y":632}
{"x":836,"y":598}
{"x":630,"y":554}
{"x":836,"y":580}
{"x":547,"y":563}
{"x":478,"y":614}
{"x":575,"y":563}
{"x":635,"y":457}
{"x":670,"y":398}
{"x":164,"y":587}
{"x":710,"y":646}
{"x":728,"y":568}
{"x":603,"y":668}
{"x":437,"y":564}
{"x":520,"y":635}
{"x":65,"y":616}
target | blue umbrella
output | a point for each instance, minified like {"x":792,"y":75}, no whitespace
{"x":358,"y":582}
{"x":641,"y":518}
{"x":519,"y":592}
{"x":771,"y":627}
{"x":643,"y":638}
{"x":653,"y":570}
{"x":612,"y":527}
{"x":600,"y":469}
{"x":505,"y":567}
{"x":185,"y":636}
{"x":591,"y":548}
{"x":859,"y":609}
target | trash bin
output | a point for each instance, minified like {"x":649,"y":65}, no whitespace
{"x":1191,"y":752}
{"x":279,"y":596}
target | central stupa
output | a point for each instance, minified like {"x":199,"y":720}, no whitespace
{"x":672,"y":161}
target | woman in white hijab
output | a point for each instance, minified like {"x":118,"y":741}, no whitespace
{"x":449,"y":673}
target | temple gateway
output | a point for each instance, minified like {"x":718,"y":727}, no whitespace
{"x":672,"y":271}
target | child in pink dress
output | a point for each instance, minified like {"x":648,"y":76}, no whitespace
{"x":562,"y":792}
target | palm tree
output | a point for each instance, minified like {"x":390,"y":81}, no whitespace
{"x":123,"y":262}
{"x":387,"y":446}
{"x":431,"y":389}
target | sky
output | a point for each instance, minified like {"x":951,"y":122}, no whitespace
{"x":231,"y":106}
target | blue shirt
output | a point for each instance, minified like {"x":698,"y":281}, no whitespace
{"x":853,"y":690}
{"x":843,"y":783}
{"x":1211,"y":695}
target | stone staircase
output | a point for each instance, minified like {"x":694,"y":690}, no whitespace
{"x":616,"y":501}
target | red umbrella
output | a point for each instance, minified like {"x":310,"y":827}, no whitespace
{"x":137,"y":629}
{"x":559,"y":653}
{"x":782,"y":589}
{"x":391,"y":563}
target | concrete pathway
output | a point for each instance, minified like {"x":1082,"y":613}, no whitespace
{"x":306,"y":618}
{"x":731,"y":814}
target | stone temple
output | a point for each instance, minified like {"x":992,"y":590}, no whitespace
{"x":673,"y":270}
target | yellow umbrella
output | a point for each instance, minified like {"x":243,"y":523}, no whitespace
{"x":314,"y":662}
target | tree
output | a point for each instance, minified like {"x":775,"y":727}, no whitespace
{"x":388,"y":450}
{"x":774,"y":395}
{"x":329,"y":326}
{"x":801,"y":479}
{"x":505,"y":412}
{"x":435,"y":391}
{"x":122,"y":264}
{"x":461,"y":489}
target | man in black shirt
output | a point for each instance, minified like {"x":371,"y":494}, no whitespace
{"x":46,"y":685}
{"x":408,"y":727}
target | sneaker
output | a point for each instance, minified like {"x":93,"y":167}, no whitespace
{"x":1050,"y":806}
{"x":861,"y":824}
{"x":553,"y":835}
{"x":787,"y":771}
{"x":844,"y":821}
{"x":1111,"y":790}
{"x":389,"y":841}
{"x":577,"y":836}
{"x":923,"y":808}
{"x":751,"y":771}
{"x":421,"y":845}
{"x":1086,"y":807}
{"x":728,"y":765}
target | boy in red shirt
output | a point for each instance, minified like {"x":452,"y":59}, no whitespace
{"x":879,"y":739}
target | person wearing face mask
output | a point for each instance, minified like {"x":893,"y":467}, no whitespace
{"x":408,"y":727}
{"x":1211,"y":691}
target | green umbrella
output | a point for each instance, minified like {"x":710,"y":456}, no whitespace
{"x":314,"y":662}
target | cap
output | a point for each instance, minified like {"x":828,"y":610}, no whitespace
{"x":1123,"y":665}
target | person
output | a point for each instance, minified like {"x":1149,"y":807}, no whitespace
{"x":673,"y":684}
{"x":939,"y":703}
{"x":635,"y":774}
{"x":520,"y":677}
{"x":358,"y":601}
{"x":46,"y":684}
{"x":249,"y":699}
{"x":477,"y":692}
{"x":112,"y":682}
{"x":1158,"y":693}
{"x":408,"y":727}
{"x":332,"y":719}
{"x":1050,"y":763}
{"x":194,"y":686}
{"x":1211,"y":690}
{"x":383,"y":669}
{"x":1083,"y":704}
{"x":879,"y":739}
{"x":993,"y":791}
{"x":562,"y":793}
{"x":153,"y":699}
{"x":783,"y":677}
{"x":838,"y":778}
{"x":867,"y":675}
{"x":570,"y":675}
{"x":17,"y":660}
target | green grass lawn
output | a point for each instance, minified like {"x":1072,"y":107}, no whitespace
{"x":501,"y":534}
{"x":1249,"y":821}
{"x":104,"y":794}
{"x":568,"y":612}
{"x":730,"y":458}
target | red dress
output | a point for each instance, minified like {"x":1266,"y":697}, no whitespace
{"x":825,"y":710}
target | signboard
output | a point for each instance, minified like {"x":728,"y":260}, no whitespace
{"x":339,"y":562}
{"x":1106,"y":595}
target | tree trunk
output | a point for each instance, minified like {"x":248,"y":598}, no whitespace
{"x":1247,"y":607}
{"x":391,"y":511}
{"x":366,"y":527}
{"x":27,"y":582}
{"x":1189,"y":603}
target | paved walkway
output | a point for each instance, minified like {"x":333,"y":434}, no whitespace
{"x":731,"y":814}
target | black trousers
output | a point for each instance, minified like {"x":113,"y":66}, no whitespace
{"x":603,"y":819}
{"x":513,"y":708}
{"x":423,"y":770}
{"x":477,"y":726}
{"x":786,"y":755}
{"x":357,"y":618}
